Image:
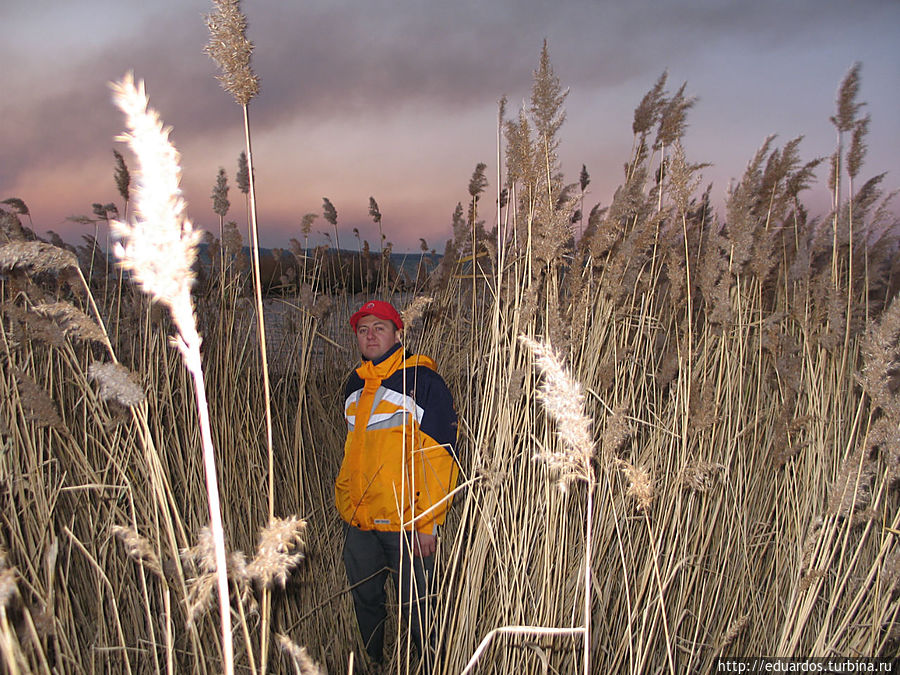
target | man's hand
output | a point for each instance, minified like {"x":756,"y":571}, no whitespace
{"x":424,"y":545}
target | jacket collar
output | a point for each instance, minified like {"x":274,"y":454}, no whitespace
{"x":392,"y":360}
{"x":387,"y":354}
{"x":383,"y":366}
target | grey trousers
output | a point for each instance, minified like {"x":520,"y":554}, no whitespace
{"x":369,"y":556}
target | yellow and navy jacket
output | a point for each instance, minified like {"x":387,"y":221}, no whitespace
{"x":399,"y":457}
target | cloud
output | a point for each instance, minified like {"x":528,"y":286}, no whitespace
{"x":71,"y":115}
{"x":335,"y":70}
{"x":319,"y":60}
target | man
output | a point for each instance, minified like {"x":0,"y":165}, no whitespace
{"x":398,"y":470}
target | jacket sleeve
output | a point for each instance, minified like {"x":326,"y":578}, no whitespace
{"x":435,"y":462}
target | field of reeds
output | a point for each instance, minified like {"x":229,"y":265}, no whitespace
{"x":679,"y":431}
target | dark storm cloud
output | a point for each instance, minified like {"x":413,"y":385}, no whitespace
{"x":351,"y":58}
{"x":73,"y":116}
{"x":323,"y":60}
{"x":330,"y":61}
{"x":314,"y":63}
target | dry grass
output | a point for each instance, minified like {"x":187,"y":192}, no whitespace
{"x":726,"y":419}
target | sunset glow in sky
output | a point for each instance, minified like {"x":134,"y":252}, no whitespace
{"x":397,"y":99}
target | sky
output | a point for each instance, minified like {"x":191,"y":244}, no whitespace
{"x":398,"y":99}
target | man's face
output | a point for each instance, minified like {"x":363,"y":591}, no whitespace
{"x":375,"y":336}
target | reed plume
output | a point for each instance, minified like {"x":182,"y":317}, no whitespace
{"x":299,"y":656}
{"x":139,"y":549}
{"x":280,"y":549}
{"x":232,"y":240}
{"x":17,"y":205}
{"x":122,"y":177}
{"x":36,"y":403}
{"x":701,"y":476}
{"x":673,"y":118}
{"x":117,"y":383}
{"x":72,"y":321}
{"x":415,"y":310}
{"x":35,"y":257}
{"x":220,"y":194}
{"x":33,"y":326}
{"x":616,"y":432}
{"x":640,"y":484}
{"x":734,"y":630}
{"x":847,"y":107}
{"x":159,"y":249}
{"x":202,"y":555}
{"x":242,"y":177}
{"x":229,"y":47}
{"x":646,"y":114}
{"x":564,"y":401}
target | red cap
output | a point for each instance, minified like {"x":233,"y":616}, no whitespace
{"x":383,"y":310}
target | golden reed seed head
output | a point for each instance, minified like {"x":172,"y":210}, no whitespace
{"x":229,"y":47}
{"x":847,"y":107}
{"x":415,"y":310}
{"x":617,"y":431}
{"x":306,"y":223}
{"x":17,"y":205}
{"x":684,"y":178}
{"x":72,"y":321}
{"x":701,"y":476}
{"x":201,"y":588}
{"x":203,"y":553}
{"x":199,"y":599}
{"x":237,"y":566}
{"x":640,"y":484}
{"x":231,"y":239}
{"x":303,"y":663}
{"x":809,"y":579}
{"x":811,"y":544}
{"x":318,"y":306}
{"x":647,"y":112}
{"x":564,"y":402}
{"x":280,"y":551}
{"x":36,"y":403}
{"x":117,"y":383}
{"x":735,"y":629}
{"x":35,"y":256}
{"x":220,"y":194}
{"x":160,"y":248}
{"x":138,"y":549}
{"x":851,"y":491}
{"x":673,"y":117}
{"x":242,"y":177}
{"x":122,"y":177}
{"x":36,"y":327}
{"x":880,"y":356}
